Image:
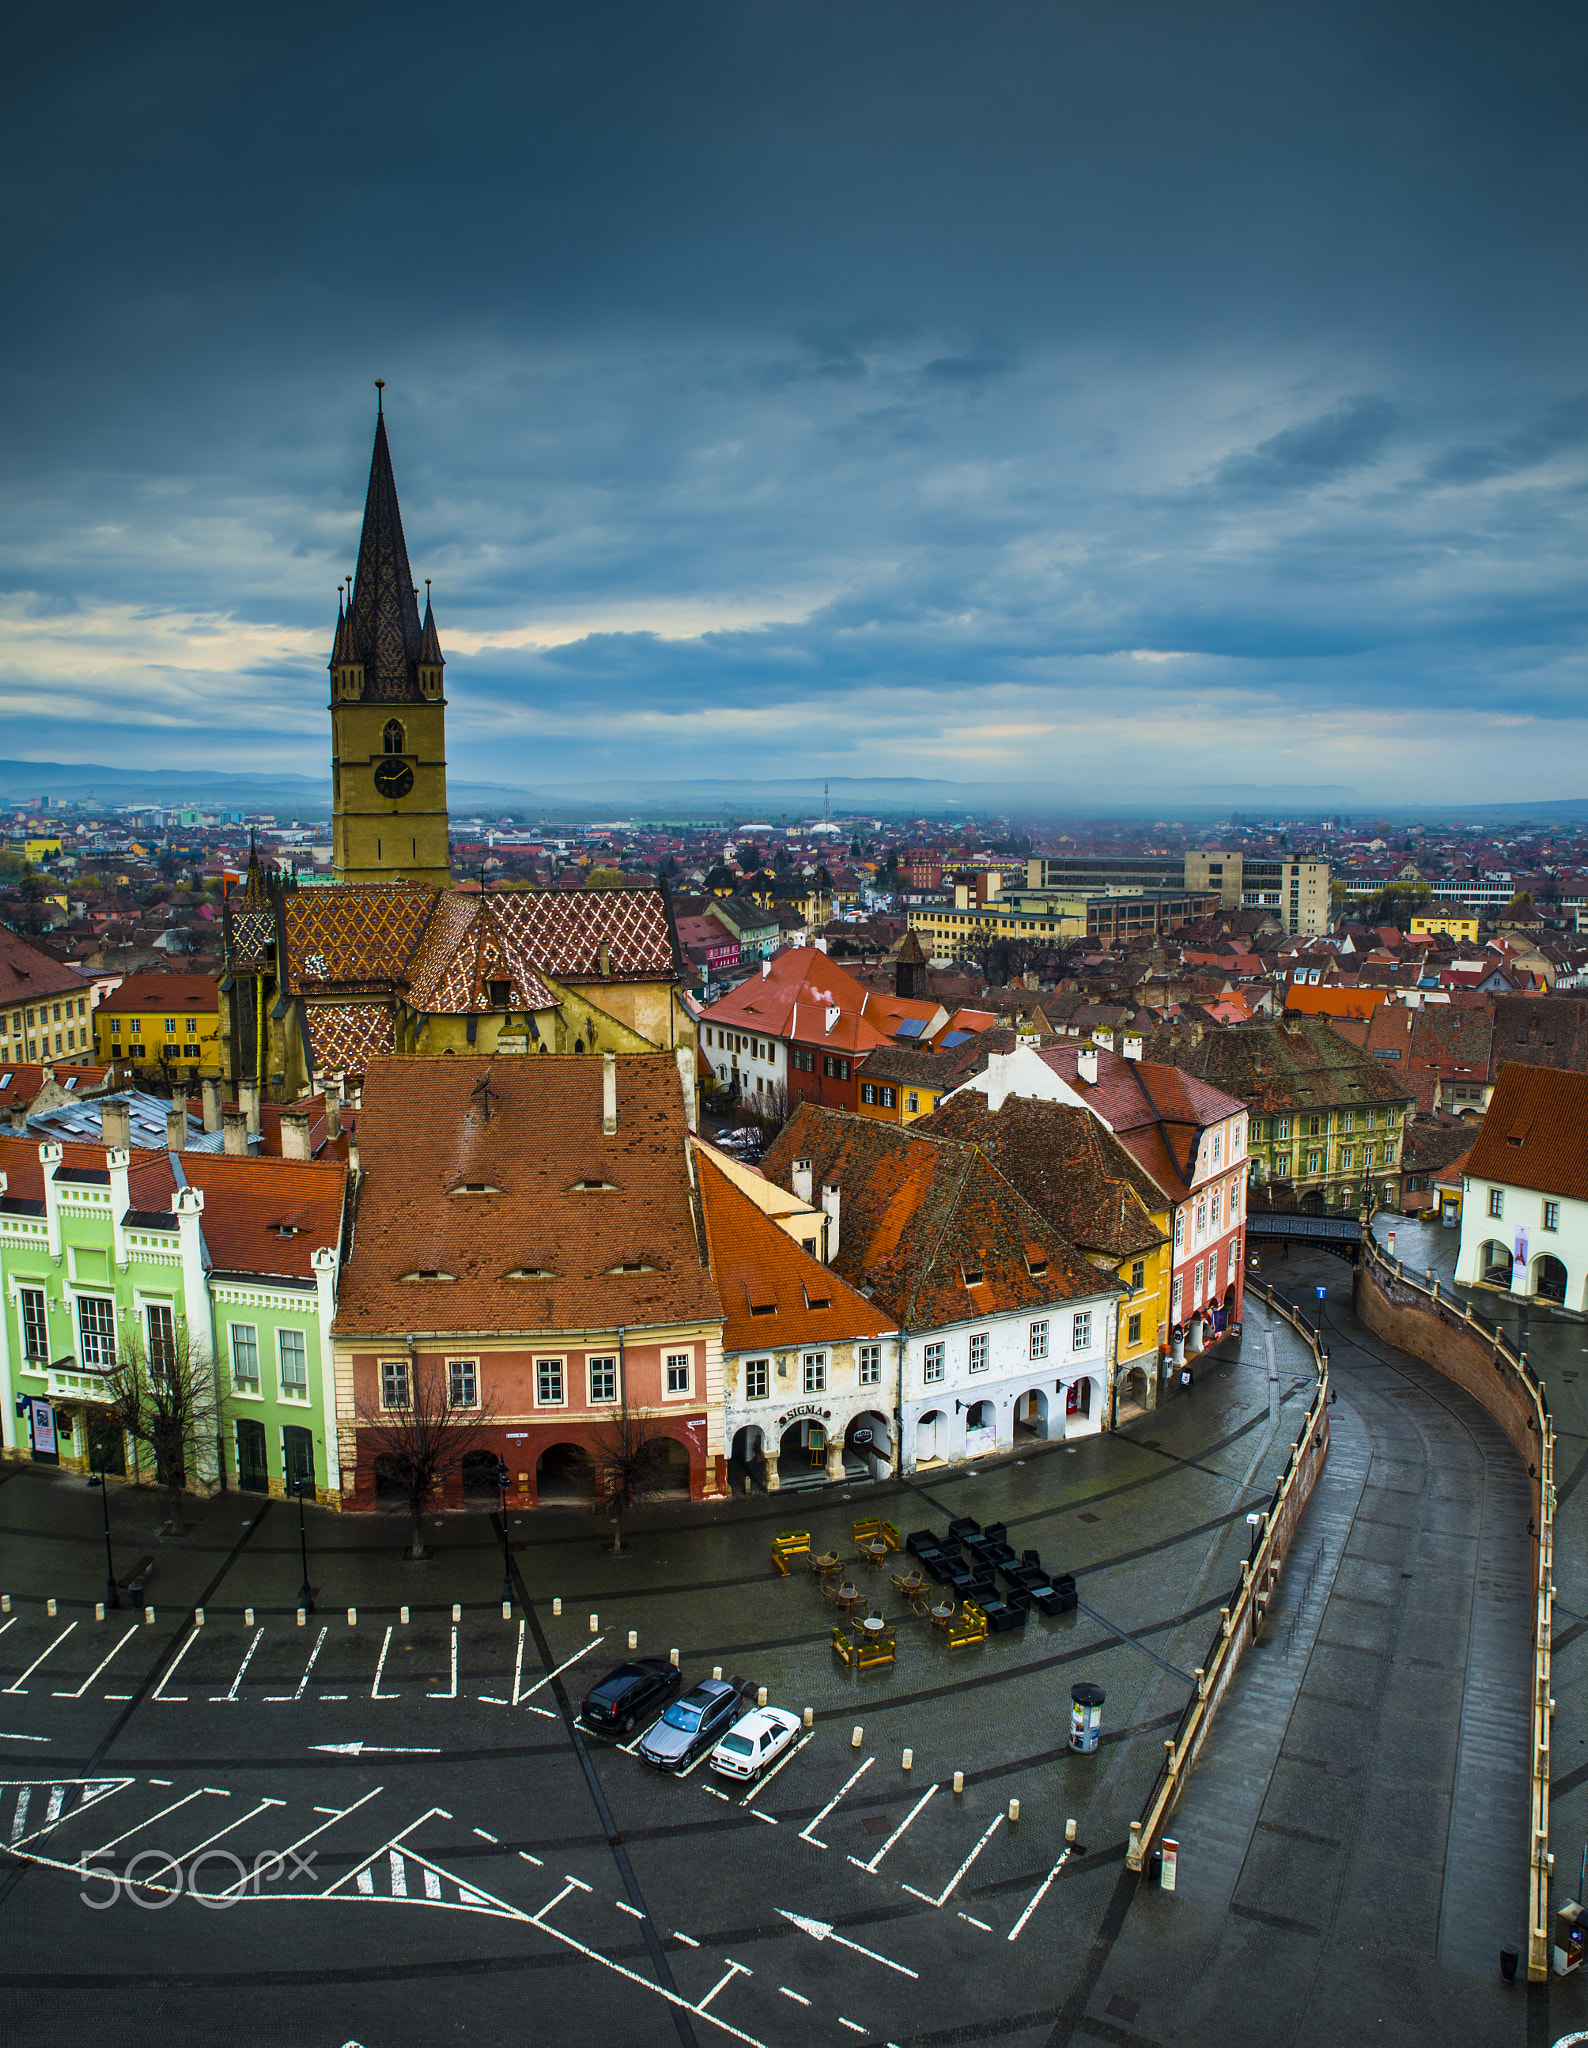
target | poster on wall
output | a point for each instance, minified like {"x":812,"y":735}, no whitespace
{"x":45,"y":1449}
{"x":980,"y":1443}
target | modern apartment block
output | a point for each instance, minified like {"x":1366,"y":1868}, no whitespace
{"x":1296,"y":890}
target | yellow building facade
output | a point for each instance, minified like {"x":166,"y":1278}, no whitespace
{"x":162,"y":1025}
{"x":1463,"y":928}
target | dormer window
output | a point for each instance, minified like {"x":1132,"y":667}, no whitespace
{"x":426,"y":1275}
{"x":633,"y":1266}
{"x":499,"y":994}
{"x":476,"y":1187}
{"x":1037,"y":1267}
{"x":530,"y":1273}
{"x":592,"y":1187}
{"x":973,"y":1275}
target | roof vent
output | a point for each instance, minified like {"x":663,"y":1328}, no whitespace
{"x":426,"y":1274}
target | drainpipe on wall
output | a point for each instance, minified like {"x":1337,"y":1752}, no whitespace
{"x":324,"y":1262}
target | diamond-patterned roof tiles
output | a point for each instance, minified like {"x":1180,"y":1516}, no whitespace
{"x":564,"y":929}
{"x":355,"y":934}
{"x":345,"y":1037}
{"x":466,"y":946}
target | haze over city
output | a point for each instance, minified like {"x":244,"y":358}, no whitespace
{"x":1115,"y":402}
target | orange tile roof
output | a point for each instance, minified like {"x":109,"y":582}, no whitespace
{"x":23,"y":1080}
{"x":1334,"y":1002}
{"x":529,"y":1129}
{"x":150,"y":1181}
{"x":162,"y":992}
{"x":264,"y":1215}
{"x":773,"y":1293}
{"x":1535,"y":1132}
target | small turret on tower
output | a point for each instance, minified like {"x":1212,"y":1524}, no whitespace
{"x":431,"y":660}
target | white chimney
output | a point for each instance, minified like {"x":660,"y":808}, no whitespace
{"x":1103,"y":1038}
{"x":1086,"y":1065}
{"x":1132,"y":1045}
{"x":234,"y":1133}
{"x":820,"y":945}
{"x":176,"y":1129}
{"x":766,"y":968}
{"x":830,"y":1204}
{"x":802,"y":1181}
{"x":685,"y":1056}
{"x":248,"y":1103}
{"x":833,"y":1015}
{"x":609,"y":1095}
{"x":295,"y":1134}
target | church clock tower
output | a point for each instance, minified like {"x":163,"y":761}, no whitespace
{"x":388,"y":716}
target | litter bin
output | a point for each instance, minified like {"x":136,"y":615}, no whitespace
{"x":1086,"y":1716}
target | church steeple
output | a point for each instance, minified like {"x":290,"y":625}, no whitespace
{"x":388,"y":717}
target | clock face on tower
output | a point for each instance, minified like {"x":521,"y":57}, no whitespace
{"x":393,"y":779}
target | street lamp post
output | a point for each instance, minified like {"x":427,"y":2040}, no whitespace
{"x":305,"y":1593}
{"x":502,"y":1476}
{"x":112,"y":1596}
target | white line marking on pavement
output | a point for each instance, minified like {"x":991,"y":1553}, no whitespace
{"x":629,"y":1748}
{"x":484,"y":1837}
{"x":333,"y":1695}
{"x":688,"y":1940}
{"x":761,"y":1783}
{"x":716,"y":1792}
{"x":17,"y":1617}
{"x":160,"y":1693}
{"x":633,"y":1911}
{"x":65,"y":1632}
{"x":452,"y":1695}
{"x":805,"y":1833}
{"x":518,"y":1666}
{"x":853,"y":2025}
{"x":218,"y":1698}
{"x":375,"y":1692}
{"x":162,"y":1781}
{"x":899,"y":1830}
{"x":1037,"y":1895}
{"x":822,"y":1930}
{"x":292,"y":1847}
{"x":39,"y":1738}
{"x":182,"y":1856}
{"x":982,"y":1924}
{"x":88,"y":1681}
{"x":798,"y":2000}
{"x":116,"y":1841}
{"x":374,"y":1748}
{"x":276,"y":1698}
{"x":733,"y":1970}
{"x":561,"y":1668}
{"x":943,"y":1896}
{"x":489,"y":1699}
{"x":539,"y":1865}
{"x":757,"y":1814}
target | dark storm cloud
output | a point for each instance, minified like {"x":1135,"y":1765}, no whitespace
{"x":1036,"y":387}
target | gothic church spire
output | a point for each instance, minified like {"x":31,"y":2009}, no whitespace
{"x":383,"y":614}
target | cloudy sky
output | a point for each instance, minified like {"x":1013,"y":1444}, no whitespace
{"x":1043,"y":393}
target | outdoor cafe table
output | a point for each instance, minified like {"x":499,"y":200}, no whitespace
{"x":848,"y":1595}
{"x":874,"y":1551}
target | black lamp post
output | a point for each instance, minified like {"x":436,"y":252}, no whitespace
{"x":305,"y":1593}
{"x":502,"y":1476}
{"x":112,"y":1596}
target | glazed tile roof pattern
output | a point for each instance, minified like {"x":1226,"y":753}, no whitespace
{"x":346,"y":1037}
{"x":469,"y":943}
{"x":916,"y":1214}
{"x":253,"y":938}
{"x":354,"y":935}
{"x":267,"y":1216}
{"x":1535,"y":1133}
{"x":532,"y":1130}
{"x":1067,"y":1164}
{"x":563,"y":930}
{"x":796,"y":1299}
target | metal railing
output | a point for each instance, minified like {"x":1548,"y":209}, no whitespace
{"x":1404,"y":1290}
{"x":1249,"y":1601}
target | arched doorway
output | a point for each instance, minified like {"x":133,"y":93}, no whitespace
{"x":1494,"y":1264}
{"x":391,"y":1481}
{"x":1031,"y":1413}
{"x":564,"y":1472}
{"x":479,"y":1474}
{"x":868,"y":1446}
{"x":1549,"y":1279}
{"x":1078,"y":1399}
{"x":931,"y":1438}
{"x":802,"y":1454}
{"x":981,"y":1429}
{"x":672,"y":1468}
{"x":744,"y":1455}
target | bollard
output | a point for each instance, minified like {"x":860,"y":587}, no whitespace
{"x":148,"y":1617}
{"x":856,"y":1738}
{"x":302,"y":1618}
{"x":248,"y":1616}
{"x":352,"y":1617}
{"x":1069,"y":1831}
{"x":507,"y":1610}
{"x":5,"y":1603}
{"x":198,"y":1617}
{"x":402,"y":1614}
{"x":760,"y":1696}
{"x":672,"y":1658}
{"x":959,"y":1783}
{"x":634,"y":1638}
{"x":1014,"y":1811}
{"x":49,"y":1607}
{"x":556,"y":1606}
{"x":907,"y":1761}
{"x":716,"y":1671}
{"x":457,"y":1611}
{"x":808,"y":1718}
{"x":595,"y":1624}
{"x":99,"y":1610}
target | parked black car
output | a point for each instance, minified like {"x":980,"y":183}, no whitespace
{"x":691,"y":1724}
{"x":625,"y":1695}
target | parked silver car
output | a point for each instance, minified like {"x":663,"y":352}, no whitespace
{"x":690,"y":1725}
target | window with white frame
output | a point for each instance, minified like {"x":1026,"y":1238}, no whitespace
{"x":1215,"y":1206}
{"x":548,"y":1382}
{"x":394,"y":1383}
{"x":1081,"y":1330}
{"x":35,"y":1324}
{"x":1179,"y":1230}
{"x":294,"y":1364}
{"x":1496,"y":1201}
{"x":245,"y":1356}
{"x":1176,"y":1295}
{"x":96,"y":1330}
{"x":1218,"y":1148}
{"x":160,"y":1323}
{"x":816,"y":1372}
{"x":1552,"y":1215}
{"x":756,"y":1374}
{"x":1196,"y":1284}
{"x":1234,"y":1256}
{"x":603,"y":1381}
{"x":463,"y":1383}
{"x":870,"y":1365}
{"x":978,"y":1351}
{"x":931,"y":1362}
{"x":1039,"y":1339}
{"x":678,"y":1363}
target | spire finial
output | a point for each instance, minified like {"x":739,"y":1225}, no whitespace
{"x":380,"y":389}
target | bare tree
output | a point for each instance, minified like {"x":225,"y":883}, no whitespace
{"x":418,"y":1433}
{"x":630,"y":1468}
{"x":164,"y":1392}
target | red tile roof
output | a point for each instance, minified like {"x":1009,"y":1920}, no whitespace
{"x":162,"y":992}
{"x":265,"y":1215}
{"x":27,"y":972}
{"x":1535,"y":1133}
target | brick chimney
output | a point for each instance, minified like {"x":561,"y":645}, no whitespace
{"x":115,"y":1125}
{"x":210,"y":1090}
{"x":176,"y":1129}
{"x":295,"y":1128}
{"x":234,"y":1128}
